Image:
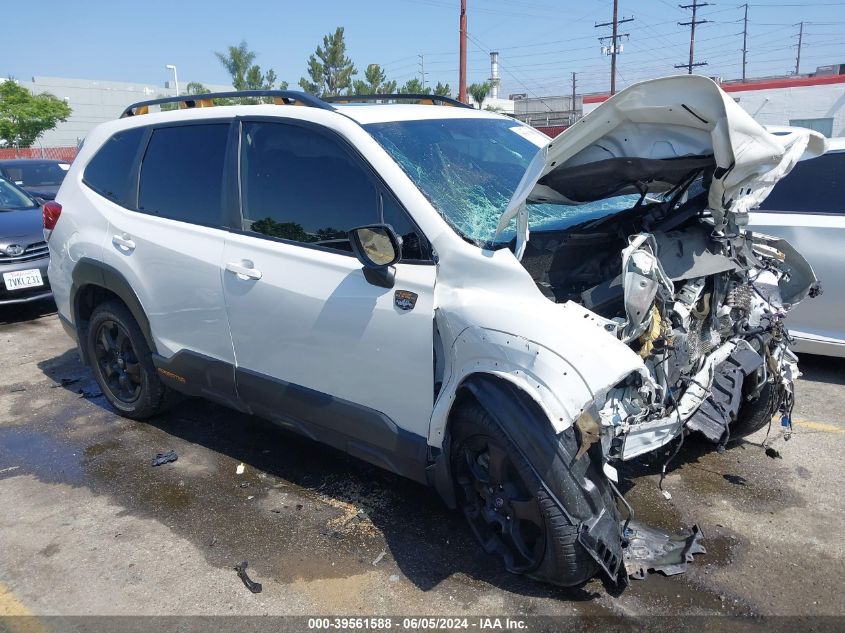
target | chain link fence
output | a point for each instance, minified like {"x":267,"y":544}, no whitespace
{"x":66,"y":154}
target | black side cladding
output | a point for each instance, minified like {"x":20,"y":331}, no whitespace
{"x":579,"y":488}
{"x":90,"y":272}
{"x":717,"y":412}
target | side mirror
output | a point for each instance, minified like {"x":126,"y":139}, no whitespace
{"x":377,"y":247}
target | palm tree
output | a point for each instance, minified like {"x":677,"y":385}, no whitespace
{"x":479,"y":92}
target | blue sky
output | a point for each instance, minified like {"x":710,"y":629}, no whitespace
{"x":540,"y":43}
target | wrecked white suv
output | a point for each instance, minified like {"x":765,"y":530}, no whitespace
{"x":363,"y":274}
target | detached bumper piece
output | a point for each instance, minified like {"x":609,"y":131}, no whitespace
{"x":651,"y":549}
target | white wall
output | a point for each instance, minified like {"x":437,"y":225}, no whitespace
{"x":777,"y":106}
{"x":92,"y":102}
{"x":502,"y":105}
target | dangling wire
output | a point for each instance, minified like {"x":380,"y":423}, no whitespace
{"x":680,"y":443}
{"x":627,"y":506}
{"x":670,"y":458}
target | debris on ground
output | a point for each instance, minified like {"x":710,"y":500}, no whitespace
{"x":164,"y":458}
{"x":254,"y":587}
{"x":89,"y":394}
{"x":666,"y":495}
{"x":240,"y":469}
{"x":652,"y":549}
{"x":773,"y":453}
{"x":9,"y":469}
{"x":65,"y":382}
{"x":379,"y":557}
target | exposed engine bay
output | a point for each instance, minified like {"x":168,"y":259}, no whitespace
{"x":704,"y":309}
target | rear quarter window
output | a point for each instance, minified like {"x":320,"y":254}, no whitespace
{"x":182,"y":173}
{"x":109,"y":171}
{"x":813,"y":186}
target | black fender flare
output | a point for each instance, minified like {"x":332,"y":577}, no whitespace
{"x":578,"y":487}
{"x":90,"y":272}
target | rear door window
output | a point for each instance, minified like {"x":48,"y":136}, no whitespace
{"x":813,"y":186}
{"x":109,"y":171}
{"x":182,"y":173}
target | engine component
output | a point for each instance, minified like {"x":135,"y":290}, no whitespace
{"x":642,"y":278}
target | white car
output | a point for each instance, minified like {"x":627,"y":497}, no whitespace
{"x":363,"y":274}
{"x":808,"y":209}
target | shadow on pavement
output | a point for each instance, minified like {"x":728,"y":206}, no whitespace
{"x":19,"y":312}
{"x":826,"y":369}
{"x":428,"y":542}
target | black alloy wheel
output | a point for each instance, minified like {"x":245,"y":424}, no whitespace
{"x":118,"y":362}
{"x":504,"y":516}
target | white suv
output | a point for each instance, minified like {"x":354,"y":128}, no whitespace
{"x":362,"y":274}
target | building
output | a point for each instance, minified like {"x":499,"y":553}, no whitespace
{"x":552,"y":114}
{"x":93,"y":102}
{"x":815,"y":101}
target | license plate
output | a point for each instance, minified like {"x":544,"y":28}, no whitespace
{"x":21,"y":279}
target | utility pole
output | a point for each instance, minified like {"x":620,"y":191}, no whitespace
{"x":694,"y":6}
{"x":800,"y":41}
{"x":614,"y":48}
{"x":462,"y":73}
{"x":744,"y":39}
{"x":422,"y":70}
{"x":574,"y":110}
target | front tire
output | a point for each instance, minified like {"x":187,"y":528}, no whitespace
{"x":507,"y":508}
{"x":753,"y":416}
{"x":122,"y":362}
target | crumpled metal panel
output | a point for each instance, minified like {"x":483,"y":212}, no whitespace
{"x":652,"y":549}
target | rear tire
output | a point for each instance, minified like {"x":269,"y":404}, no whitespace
{"x":122,"y":362}
{"x":507,"y":508}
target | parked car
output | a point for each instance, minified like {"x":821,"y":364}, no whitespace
{"x":363,"y":274}
{"x":808,"y":209}
{"x":23,"y":251}
{"x":37,"y":176}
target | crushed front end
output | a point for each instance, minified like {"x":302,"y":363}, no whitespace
{"x":707,"y":315}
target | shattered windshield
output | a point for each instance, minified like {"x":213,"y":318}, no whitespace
{"x":469,"y":169}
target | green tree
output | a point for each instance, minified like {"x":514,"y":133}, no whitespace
{"x":443,"y":91}
{"x":195,"y":88}
{"x":479,"y":93}
{"x":414,"y":87}
{"x":24,"y":116}
{"x":246,"y":75}
{"x":329,"y":69}
{"x":375,"y":82}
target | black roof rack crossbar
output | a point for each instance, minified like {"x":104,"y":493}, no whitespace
{"x":397,"y":97}
{"x":289,"y":97}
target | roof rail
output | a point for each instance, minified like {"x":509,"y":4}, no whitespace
{"x":281,"y":97}
{"x":422,"y":98}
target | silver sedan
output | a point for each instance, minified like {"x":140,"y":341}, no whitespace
{"x":807,"y":208}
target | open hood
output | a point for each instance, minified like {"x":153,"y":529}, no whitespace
{"x":654,"y":135}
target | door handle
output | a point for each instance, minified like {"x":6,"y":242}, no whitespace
{"x":244,"y":271}
{"x":123,"y":242}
